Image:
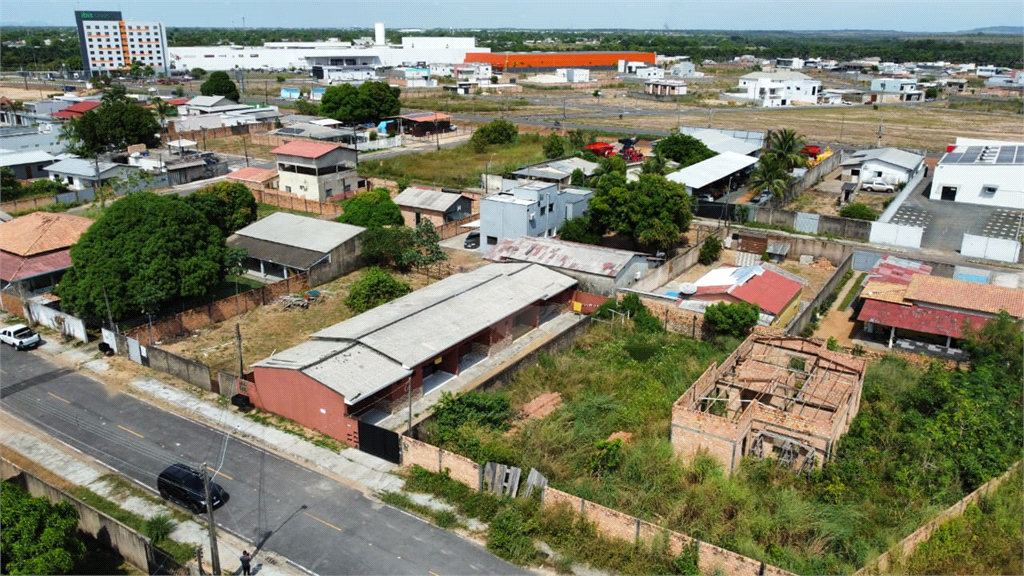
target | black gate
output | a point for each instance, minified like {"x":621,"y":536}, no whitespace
{"x":379,"y":442}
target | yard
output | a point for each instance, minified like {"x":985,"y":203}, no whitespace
{"x":876,"y":490}
{"x":458,"y":167}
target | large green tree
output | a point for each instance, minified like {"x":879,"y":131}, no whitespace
{"x":554,"y":146}
{"x":39,"y":537}
{"x":684,"y":149}
{"x":220,"y":84}
{"x":371,"y":102}
{"x":786,"y":146}
{"x":495,"y":132}
{"x":227,"y":205}
{"x":371,"y":209}
{"x":402,"y":247}
{"x":144,"y":252}
{"x":116,"y":124}
{"x":653,"y":211}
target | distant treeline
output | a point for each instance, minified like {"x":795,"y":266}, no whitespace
{"x":994,"y":49}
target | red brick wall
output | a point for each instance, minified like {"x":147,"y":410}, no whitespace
{"x":298,"y":397}
{"x":426,"y":456}
{"x":293,"y":202}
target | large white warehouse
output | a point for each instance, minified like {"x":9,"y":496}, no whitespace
{"x":305,"y":55}
{"x":979,"y":172}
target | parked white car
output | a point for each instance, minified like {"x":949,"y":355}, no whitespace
{"x":19,"y":336}
{"x":877,"y":186}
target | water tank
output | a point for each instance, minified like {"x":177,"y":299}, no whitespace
{"x":378,"y":34}
{"x":687,"y":289}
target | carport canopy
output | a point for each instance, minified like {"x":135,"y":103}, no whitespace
{"x":711,"y":170}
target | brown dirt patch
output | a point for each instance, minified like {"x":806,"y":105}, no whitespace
{"x":542,"y":406}
{"x":624,"y":436}
{"x":816,"y":274}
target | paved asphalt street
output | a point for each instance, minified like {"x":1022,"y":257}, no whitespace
{"x":309,"y":518}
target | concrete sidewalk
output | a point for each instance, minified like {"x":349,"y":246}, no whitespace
{"x":77,"y":469}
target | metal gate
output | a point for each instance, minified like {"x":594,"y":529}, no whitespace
{"x":379,"y":442}
{"x":805,"y":222}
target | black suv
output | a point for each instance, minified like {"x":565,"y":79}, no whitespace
{"x":184,"y":485}
{"x":472,"y":240}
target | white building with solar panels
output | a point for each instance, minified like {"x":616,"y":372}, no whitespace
{"x":985,"y":172}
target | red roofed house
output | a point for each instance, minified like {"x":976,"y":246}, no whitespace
{"x":255,"y":178}
{"x":933,"y":309}
{"x":317,"y":170}
{"x":34,"y":250}
{"x":778,"y":295}
{"x":76,"y":110}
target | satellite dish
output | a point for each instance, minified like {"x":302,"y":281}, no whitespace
{"x":687,"y":289}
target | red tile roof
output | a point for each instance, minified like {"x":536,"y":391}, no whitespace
{"x":896,"y":271}
{"x":305,"y":149}
{"x":965,"y":295}
{"x":253,"y":174}
{"x":76,"y":110}
{"x":177,"y":101}
{"x":768,"y":290}
{"x":918,"y":319}
{"x":41,"y":232}
{"x":14,"y":267}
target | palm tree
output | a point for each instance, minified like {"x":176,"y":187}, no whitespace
{"x":162,"y":110}
{"x":771,"y":175}
{"x":787,"y":145}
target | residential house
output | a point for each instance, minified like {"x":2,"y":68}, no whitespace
{"x":650,"y":73}
{"x":789,"y":63}
{"x":778,"y":88}
{"x":312,"y":131}
{"x":981,"y":172}
{"x":599,"y":270}
{"x":255,"y":178}
{"x":684,"y":70}
{"x":775,"y":291}
{"x":531,"y":208}
{"x":373,"y":364}
{"x":81,"y":173}
{"x":75,"y":110}
{"x":35,"y":250}
{"x":663,"y":87}
{"x":27,"y":165}
{"x":283,"y":245}
{"x":892,"y":165}
{"x":553,"y":171}
{"x":439,"y":206}
{"x":209,"y":105}
{"x":895,"y":90}
{"x":574,"y":75}
{"x":917,"y":307}
{"x":26,"y":138}
{"x":317,"y":170}
{"x":786,"y":398}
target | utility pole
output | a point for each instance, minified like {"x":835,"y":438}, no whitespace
{"x":110,"y":316}
{"x":245,"y":147}
{"x":214,"y":554}
{"x":266,"y":93}
{"x":238,"y":342}
{"x":408,"y":387}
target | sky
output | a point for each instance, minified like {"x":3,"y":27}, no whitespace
{"x":796,"y":15}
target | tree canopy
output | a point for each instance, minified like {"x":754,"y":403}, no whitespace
{"x":736,"y":319}
{"x":227,"y":205}
{"x":554,"y":146}
{"x":653,"y":211}
{"x":371,"y":102}
{"x":376,"y":287}
{"x":39,"y":537}
{"x":143,"y":252}
{"x":579,"y":229}
{"x":220,"y":84}
{"x":114,"y":125}
{"x":402,"y":247}
{"x":495,"y":132}
{"x":684,"y":149}
{"x":371,"y":209}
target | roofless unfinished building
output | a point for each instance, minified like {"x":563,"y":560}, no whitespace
{"x":773,"y":397}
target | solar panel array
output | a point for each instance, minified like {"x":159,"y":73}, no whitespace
{"x":987,"y":155}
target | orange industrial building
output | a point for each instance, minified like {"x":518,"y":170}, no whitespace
{"x":541,"y":61}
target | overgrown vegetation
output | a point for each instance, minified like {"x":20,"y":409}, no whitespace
{"x":371,"y":209}
{"x":40,"y":537}
{"x":859,"y":211}
{"x":497,"y":132}
{"x":731,"y":319}
{"x":376,"y":287}
{"x":922,"y":440}
{"x":711,"y":250}
{"x":853,"y":291}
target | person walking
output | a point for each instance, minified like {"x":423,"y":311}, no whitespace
{"x":246,"y":560}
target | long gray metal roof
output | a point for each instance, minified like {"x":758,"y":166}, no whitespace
{"x":301,"y":232}
{"x":427,"y":199}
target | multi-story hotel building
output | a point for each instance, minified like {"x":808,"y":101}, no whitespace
{"x":109,"y":43}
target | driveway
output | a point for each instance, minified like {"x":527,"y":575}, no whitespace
{"x":944,"y":222}
{"x":317,"y":522}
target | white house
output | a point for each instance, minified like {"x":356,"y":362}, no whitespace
{"x":780,"y":88}
{"x":532,"y":208}
{"x":980,"y":172}
{"x":316,"y":170}
{"x":895,"y":90}
{"x":650,"y":73}
{"x":789,"y":63}
{"x":209,"y":105}
{"x":81,"y":173}
{"x":661,"y":87}
{"x":889,"y":164}
{"x":685,"y":70}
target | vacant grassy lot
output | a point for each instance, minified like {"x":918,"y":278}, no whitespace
{"x":458,"y":167}
{"x":897,"y":466}
{"x":234,"y":145}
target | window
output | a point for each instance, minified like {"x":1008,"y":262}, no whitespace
{"x":989,"y":189}
{"x":328,"y":191}
{"x":492,"y":240}
{"x":551,"y":207}
{"x":543,"y":210}
{"x":418,"y":217}
{"x":855,"y":172}
{"x":287,"y":188}
{"x":877,"y":174}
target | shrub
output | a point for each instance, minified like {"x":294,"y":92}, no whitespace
{"x":858,"y":211}
{"x":579,"y":229}
{"x":495,"y":132}
{"x":735,"y":319}
{"x":832,"y":344}
{"x":507,"y":537}
{"x":371,"y":209}
{"x":376,"y":287}
{"x":607,"y":455}
{"x":554,"y":147}
{"x":711,"y":250}
{"x":159,"y":527}
{"x":488,"y":410}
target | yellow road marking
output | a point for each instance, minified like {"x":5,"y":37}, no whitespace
{"x":324,"y":522}
{"x":130,"y":431}
{"x":59,"y":398}
{"x":220,"y":473}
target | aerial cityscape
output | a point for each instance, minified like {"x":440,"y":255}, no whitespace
{"x":583,"y":287}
